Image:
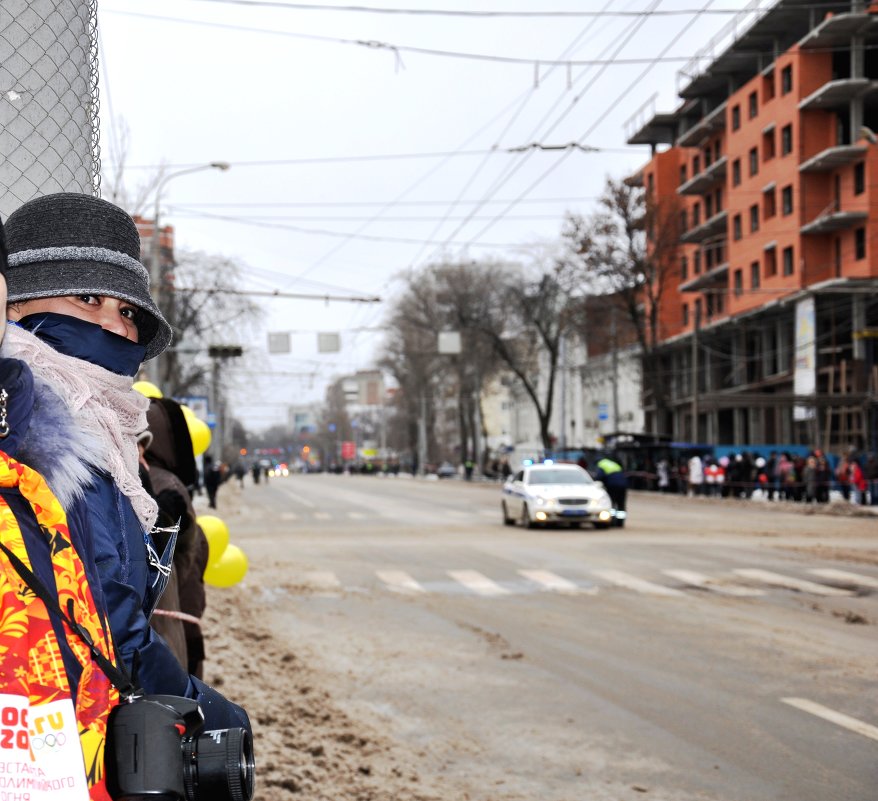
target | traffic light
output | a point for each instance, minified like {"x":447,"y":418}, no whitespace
{"x":225,"y":351}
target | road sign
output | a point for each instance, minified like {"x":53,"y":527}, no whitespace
{"x":348,"y":449}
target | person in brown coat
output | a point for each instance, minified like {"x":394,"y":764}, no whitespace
{"x":172,"y":471}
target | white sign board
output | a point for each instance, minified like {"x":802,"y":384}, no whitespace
{"x":279,"y":342}
{"x":805,"y":367}
{"x":449,"y":342}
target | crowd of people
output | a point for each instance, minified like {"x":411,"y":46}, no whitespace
{"x":97,"y":527}
{"x":810,"y":478}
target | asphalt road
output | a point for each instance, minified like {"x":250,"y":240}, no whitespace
{"x":710,"y":650}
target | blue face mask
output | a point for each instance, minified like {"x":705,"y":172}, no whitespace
{"x":87,"y":341}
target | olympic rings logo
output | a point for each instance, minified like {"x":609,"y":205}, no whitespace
{"x":51,"y":741}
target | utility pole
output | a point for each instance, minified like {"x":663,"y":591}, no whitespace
{"x":219,"y":354}
{"x":422,"y":434}
{"x":615,"y":363}
{"x":562,"y":361}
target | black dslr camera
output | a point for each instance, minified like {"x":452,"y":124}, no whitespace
{"x":156,"y":750}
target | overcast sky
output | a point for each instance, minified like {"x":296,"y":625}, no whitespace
{"x":354,"y":162}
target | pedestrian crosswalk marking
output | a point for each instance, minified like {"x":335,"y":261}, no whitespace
{"x":399,"y":581}
{"x":639,"y":585}
{"x":705,"y":582}
{"x":555,"y":583}
{"x":844,"y":575}
{"x":356,"y":516}
{"x":547,"y":581}
{"x":288,"y":516}
{"x":475,"y":581}
{"x":322,"y":515}
{"x":840,"y":719}
{"x":778,"y":580}
{"x":323,"y":579}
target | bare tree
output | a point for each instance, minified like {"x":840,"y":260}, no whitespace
{"x":626,"y":252}
{"x":204,"y":307}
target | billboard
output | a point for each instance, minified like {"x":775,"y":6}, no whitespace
{"x":805,"y":366}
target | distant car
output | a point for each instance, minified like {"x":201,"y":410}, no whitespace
{"x":446,"y":470}
{"x":540,"y":494}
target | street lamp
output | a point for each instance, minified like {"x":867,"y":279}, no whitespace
{"x":155,"y":271}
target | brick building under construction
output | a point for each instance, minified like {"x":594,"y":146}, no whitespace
{"x":770,"y":314}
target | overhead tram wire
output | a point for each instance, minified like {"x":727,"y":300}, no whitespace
{"x":410,"y":188}
{"x":590,"y":130}
{"x":490,"y":14}
{"x":616,"y":46}
{"x":189,"y":206}
{"x":323,"y":232}
{"x":505,"y":130}
{"x":399,"y":49}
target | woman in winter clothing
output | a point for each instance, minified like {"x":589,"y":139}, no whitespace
{"x":84,"y":321}
{"x":45,"y":667}
{"x":172,"y":471}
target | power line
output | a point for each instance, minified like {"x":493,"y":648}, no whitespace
{"x":355,"y":203}
{"x":489,"y":14}
{"x":277,"y":293}
{"x":509,"y":123}
{"x":615,"y":46}
{"x":349,"y":218}
{"x":398,"y":49}
{"x":400,"y":156}
{"x":342,"y":234}
{"x":598,"y":119}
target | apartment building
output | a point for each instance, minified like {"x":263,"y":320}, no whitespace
{"x":769,"y":323}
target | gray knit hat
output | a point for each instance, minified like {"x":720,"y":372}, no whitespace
{"x":72,"y":244}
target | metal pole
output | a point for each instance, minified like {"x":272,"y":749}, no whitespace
{"x":155,"y":266}
{"x":422,"y":434}
{"x":217,"y":439}
{"x":562,"y":360}
{"x":615,"y":362}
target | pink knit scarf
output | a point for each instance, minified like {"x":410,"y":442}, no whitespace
{"x":102,"y":404}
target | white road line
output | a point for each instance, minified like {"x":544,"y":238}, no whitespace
{"x":555,"y":583}
{"x":323,"y":579}
{"x":322,"y":515}
{"x":840,"y":719}
{"x":399,"y":581}
{"x":475,"y":581}
{"x":843,"y":575}
{"x":638,"y":585}
{"x":288,"y":516}
{"x":705,"y":582}
{"x":768,"y":577}
{"x":356,"y":516}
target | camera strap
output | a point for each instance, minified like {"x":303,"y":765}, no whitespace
{"x":117,"y":674}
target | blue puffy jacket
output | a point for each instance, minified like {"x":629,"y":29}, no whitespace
{"x":110,"y":540}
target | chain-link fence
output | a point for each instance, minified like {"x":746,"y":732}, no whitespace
{"x":48,"y":99}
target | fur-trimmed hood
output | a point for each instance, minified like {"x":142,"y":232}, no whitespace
{"x":58,"y":449}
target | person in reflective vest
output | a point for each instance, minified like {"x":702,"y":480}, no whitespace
{"x":613,"y":477}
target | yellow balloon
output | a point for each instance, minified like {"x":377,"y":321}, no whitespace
{"x":147,"y":388}
{"x":199,"y":433}
{"x":187,"y":412}
{"x":229,"y":570}
{"x":217,"y":534}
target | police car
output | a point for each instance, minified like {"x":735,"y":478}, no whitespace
{"x":540,"y":494}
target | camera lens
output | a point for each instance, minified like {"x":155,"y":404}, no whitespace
{"x":219,"y":766}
